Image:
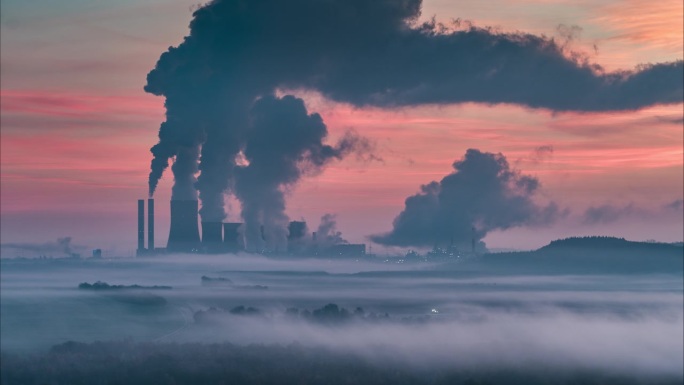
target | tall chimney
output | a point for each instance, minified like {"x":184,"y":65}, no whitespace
{"x":231,"y":237}
{"x":212,"y":236}
{"x":141,"y":224}
{"x":184,"y":232}
{"x":150,"y":224}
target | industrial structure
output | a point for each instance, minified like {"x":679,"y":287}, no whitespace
{"x":232,"y":238}
{"x":142,"y":250}
{"x":218,"y":237}
{"x":184,"y":233}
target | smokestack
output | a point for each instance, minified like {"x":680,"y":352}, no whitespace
{"x":184,"y":232}
{"x":212,"y":236}
{"x":141,"y":224}
{"x":231,"y":237}
{"x":150,"y":224}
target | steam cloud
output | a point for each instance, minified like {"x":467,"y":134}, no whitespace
{"x":283,"y":142}
{"x":220,"y":81}
{"x":482,"y":194}
{"x":327,"y":233}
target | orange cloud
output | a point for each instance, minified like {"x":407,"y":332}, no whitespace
{"x":656,"y":23}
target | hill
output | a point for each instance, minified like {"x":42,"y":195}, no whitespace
{"x":601,"y":255}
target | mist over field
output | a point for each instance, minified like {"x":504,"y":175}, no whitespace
{"x":455,"y":320}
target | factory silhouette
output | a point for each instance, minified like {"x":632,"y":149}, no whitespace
{"x":228,"y":237}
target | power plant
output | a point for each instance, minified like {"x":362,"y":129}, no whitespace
{"x":218,"y":237}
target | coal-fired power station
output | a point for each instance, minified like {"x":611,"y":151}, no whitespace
{"x":219,"y":237}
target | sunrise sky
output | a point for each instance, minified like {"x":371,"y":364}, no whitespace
{"x":77,"y":127}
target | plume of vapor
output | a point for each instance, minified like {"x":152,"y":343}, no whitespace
{"x":327,"y":234}
{"x":482,"y":194}
{"x":283,"y":143}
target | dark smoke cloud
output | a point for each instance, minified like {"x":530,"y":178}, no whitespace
{"x":283,"y":143}
{"x":482,"y":194}
{"x":364,"y":53}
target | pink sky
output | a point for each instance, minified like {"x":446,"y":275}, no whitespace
{"x":77,"y":127}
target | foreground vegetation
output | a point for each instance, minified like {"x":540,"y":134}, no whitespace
{"x":113,"y":363}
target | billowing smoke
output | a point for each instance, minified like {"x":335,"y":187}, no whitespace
{"x":482,"y":194}
{"x":327,"y":233}
{"x":283,"y":143}
{"x":361,"y":52}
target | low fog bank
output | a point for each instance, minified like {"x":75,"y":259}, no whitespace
{"x":192,"y":363}
{"x":182,"y":317}
{"x":470,"y":338}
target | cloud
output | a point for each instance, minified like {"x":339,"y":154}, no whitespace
{"x":538,"y":155}
{"x":656,"y":23}
{"x":482,"y":194}
{"x":675,"y":205}
{"x":606,"y":213}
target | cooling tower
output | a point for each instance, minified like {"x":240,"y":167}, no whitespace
{"x":295,"y":237}
{"x":232,"y":242}
{"x":141,"y":224}
{"x":212,"y":237}
{"x":150,"y":224}
{"x":296,"y":229}
{"x":184,"y":233}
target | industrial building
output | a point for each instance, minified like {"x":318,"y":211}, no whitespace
{"x":218,"y":237}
